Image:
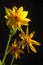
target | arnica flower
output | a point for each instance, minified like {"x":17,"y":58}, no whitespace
{"x":27,"y":40}
{"x":16,"y":17}
{"x":14,"y":50}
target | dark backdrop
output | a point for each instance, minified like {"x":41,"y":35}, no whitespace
{"x":35,"y":9}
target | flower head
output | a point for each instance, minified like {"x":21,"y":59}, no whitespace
{"x":15,"y":50}
{"x":27,"y":40}
{"x":16,"y":17}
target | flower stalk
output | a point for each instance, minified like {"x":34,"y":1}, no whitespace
{"x":6,"y":49}
{"x":12,"y":61}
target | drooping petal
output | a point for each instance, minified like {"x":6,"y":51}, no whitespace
{"x":17,"y":55}
{"x":24,"y":23}
{"x":23,"y":46}
{"x":32,"y":34}
{"x":14,"y":26}
{"x":19,"y":24}
{"x":32,"y":48}
{"x":35,"y":43}
{"x":9,"y":22}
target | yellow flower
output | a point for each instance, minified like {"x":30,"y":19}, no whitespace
{"x":16,"y":17}
{"x":15,"y":50}
{"x":27,"y":40}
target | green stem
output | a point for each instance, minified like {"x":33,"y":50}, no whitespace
{"x":6,"y":49}
{"x":12,"y":61}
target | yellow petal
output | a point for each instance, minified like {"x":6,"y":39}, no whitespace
{"x":13,"y":23}
{"x":20,"y":10}
{"x":20,"y":51}
{"x":14,"y":44}
{"x":24,"y":14}
{"x":32,"y":48}
{"x":9,"y":22}
{"x":36,"y":43}
{"x":6,"y":17}
{"x":14,"y":8}
{"x":23,"y":46}
{"x":17,"y":55}
{"x":24,"y":23}
{"x":26,"y":19}
{"x":8,"y":11}
{"x":32,"y":34}
{"x":19,"y":24}
{"x":21,"y":36}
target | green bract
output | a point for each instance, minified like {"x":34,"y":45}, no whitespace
{"x":12,"y":31}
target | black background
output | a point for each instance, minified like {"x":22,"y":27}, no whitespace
{"x":35,"y":9}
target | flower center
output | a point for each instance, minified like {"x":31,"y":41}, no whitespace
{"x":27,"y":39}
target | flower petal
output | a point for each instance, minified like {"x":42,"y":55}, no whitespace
{"x":14,"y":8}
{"x":6,"y":17}
{"x":36,"y":43}
{"x":8,"y":11}
{"x":17,"y":55}
{"x":9,"y":22}
{"x":26,"y":19}
{"x":24,"y":23}
{"x":20,"y":51}
{"x":23,"y":46}
{"x":32,"y":48}
{"x":24,"y":14}
{"x":21,"y":36}
{"x":20,"y":10}
{"x":32,"y":34}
